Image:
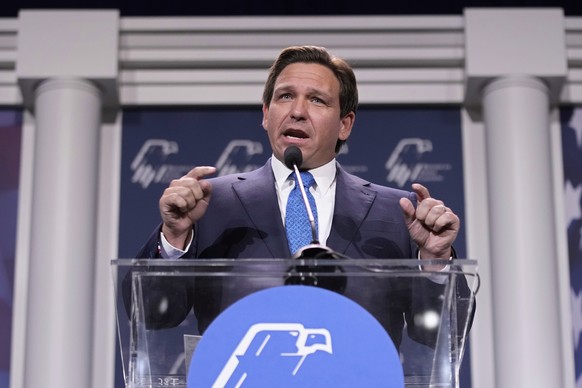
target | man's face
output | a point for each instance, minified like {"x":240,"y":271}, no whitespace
{"x":305,"y":111}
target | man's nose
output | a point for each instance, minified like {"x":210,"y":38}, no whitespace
{"x":299,"y":109}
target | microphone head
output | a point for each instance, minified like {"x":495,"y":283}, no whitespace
{"x":293,"y":156}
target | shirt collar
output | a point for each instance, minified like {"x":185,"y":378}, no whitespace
{"x":324,"y":175}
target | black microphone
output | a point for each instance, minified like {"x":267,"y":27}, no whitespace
{"x":293,"y":160}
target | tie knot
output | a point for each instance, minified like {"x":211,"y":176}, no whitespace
{"x":306,"y":177}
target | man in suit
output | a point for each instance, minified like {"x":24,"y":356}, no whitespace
{"x":309,"y":101}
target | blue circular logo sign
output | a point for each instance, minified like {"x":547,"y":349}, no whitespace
{"x":293,"y":336}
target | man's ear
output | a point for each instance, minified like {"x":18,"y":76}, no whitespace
{"x":265,"y":115}
{"x":347,"y":123}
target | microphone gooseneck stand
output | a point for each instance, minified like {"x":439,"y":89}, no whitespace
{"x":305,"y":274}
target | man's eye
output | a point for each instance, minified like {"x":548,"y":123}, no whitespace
{"x":317,"y":100}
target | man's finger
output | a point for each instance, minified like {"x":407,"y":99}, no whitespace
{"x":434,"y":214}
{"x":176,"y":201}
{"x":408,"y":210}
{"x":422,"y":192}
{"x":200,"y":172}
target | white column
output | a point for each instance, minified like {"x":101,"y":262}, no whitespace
{"x":60,"y":296}
{"x":514,"y":72}
{"x":67,"y":70}
{"x":522,"y":231}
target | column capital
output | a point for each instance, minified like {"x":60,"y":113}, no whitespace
{"x":515,"y":81}
{"x":509,"y":43}
{"x":68,"y":44}
{"x":67,"y":83}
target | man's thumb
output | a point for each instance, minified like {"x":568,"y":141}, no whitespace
{"x":408,"y":210}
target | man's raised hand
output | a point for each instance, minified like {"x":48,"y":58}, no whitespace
{"x":432,"y":225}
{"x":183,"y":203}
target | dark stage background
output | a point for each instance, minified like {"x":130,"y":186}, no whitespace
{"x":293,"y":7}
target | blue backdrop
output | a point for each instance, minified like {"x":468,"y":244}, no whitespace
{"x":10,"y":138}
{"x":388,"y":146}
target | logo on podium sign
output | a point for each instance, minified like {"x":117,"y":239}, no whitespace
{"x":295,"y":336}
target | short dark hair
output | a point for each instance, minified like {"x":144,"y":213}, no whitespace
{"x":344,"y":73}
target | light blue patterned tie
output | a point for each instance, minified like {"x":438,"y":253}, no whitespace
{"x":296,"y":218}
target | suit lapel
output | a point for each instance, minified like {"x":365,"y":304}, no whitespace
{"x":353,"y":200}
{"x":256,"y":191}
{"x":258,"y":196}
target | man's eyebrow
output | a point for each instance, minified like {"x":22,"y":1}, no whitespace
{"x":284,"y":87}
{"x":311,"y":91}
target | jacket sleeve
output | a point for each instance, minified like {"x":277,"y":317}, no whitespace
{"x":166,"y":300}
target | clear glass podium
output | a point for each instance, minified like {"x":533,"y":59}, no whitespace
{"x":164,"y":306}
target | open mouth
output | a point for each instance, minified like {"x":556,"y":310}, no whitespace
{"x":295,"y":134}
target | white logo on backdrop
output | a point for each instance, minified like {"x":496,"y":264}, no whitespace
{"x":405,"y":163}
{"x":149,"y":165}
{"x":302,"y":348}
{"x":351,"y":168}
{"x":237,"y":156}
